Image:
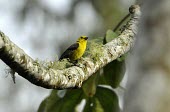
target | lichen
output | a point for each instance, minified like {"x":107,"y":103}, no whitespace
{"x":59,"y":65}
{"x":94,"y":50}
{"x":56,"y":65}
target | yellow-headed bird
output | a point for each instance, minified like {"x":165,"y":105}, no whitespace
{"x":76,"y":51}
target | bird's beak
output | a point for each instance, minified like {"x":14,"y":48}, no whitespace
{"x":86,"y":38}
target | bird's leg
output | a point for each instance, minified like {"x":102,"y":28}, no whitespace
{"x":75,"y":62}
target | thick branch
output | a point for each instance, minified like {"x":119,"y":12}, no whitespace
{"x":73,"y":76}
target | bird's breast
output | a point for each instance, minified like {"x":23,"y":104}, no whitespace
{"x":79,"y":52}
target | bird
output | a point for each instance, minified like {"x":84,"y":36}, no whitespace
{"x":76,"y":50}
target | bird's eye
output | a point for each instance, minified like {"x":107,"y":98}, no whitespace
{"x":81,"y":37}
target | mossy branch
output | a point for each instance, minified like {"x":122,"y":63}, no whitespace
{"x":71,"y":77}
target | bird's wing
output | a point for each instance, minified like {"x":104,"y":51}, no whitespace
{"x":69,"y":51}
{"x":73,"y":47}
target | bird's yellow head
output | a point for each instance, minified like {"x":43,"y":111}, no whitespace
{"x":82,"y":39}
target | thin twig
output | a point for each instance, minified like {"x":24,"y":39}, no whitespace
{"x":120,"y":23}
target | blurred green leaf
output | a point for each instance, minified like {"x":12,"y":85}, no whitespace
{"x":98,"y":106}
{"x":89,"y":105}
{"x":98,"y":40}
{"x":42,"y":106}
{"x":110,"y":35}
{"x":54,"y":103}
{"x":105,"y":100}
{"x":89,"y":86}
{"x":113,"y":73}
{"x":48,"y":102}
{"x":93,"y":105}
{"x":108,"y":99}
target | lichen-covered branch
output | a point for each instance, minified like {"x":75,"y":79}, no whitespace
{"x":73,"y":76}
